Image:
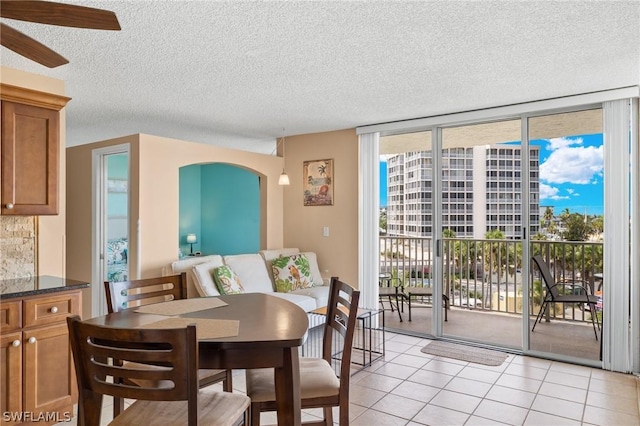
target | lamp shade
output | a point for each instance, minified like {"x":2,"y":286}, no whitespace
{"x":191,"y":238}
{"x":284,"y":179}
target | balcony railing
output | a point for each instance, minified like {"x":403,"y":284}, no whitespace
{"x":486,"y":275}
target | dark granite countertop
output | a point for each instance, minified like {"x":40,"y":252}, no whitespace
{"x":43,"y":284}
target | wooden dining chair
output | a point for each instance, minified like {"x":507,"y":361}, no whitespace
{"x":134,"y":293}
{"x":98,"y":353}
{"x":319,"y":386}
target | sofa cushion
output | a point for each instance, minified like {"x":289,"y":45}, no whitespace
{"x":269,"y":255}
{"x":203,"y":277}
{"x":252,"y":272}
{"x":186,"y":265}
{"x":291,"y":273}
{"x":319,"y":293}
{"x":227,"y":280}
{"x":305,"y":302}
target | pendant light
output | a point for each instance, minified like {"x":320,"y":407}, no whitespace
{"x":284,"y":178}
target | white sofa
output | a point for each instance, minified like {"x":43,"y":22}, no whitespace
{"x":255,"y":274}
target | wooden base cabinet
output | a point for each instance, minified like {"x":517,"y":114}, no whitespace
{"x":11,"y":377}
{"x":38,"y":378}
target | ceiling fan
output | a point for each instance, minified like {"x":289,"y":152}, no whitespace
{"x":51,"y":13}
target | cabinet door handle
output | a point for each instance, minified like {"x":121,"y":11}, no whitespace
{"x":9,"y":206}
{"x":32,"y":340}
{"x":54,"y":310}
{"x":15,"y":343}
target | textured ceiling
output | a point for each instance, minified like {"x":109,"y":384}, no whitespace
{"x":240,"y":74}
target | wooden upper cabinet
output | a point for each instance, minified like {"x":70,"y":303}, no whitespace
{"x":30,"y":151}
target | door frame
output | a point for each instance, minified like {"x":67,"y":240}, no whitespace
{"x":98,"y":222}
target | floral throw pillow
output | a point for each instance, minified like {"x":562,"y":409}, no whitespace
{"x":227,"y":280}
{"x":291,"y":273}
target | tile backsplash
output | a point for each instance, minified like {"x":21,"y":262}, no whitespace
{"x":17,"y":246}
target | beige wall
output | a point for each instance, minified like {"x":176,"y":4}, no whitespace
{"x":79,"y":214}
{"x":154,"y":208}
{"x":337,"y":253}
{"x":51,"y":229}
{"x":160,"y":159}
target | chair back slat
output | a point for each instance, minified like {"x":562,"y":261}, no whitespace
{"x":341,"y":318}
{"x":546,"y":276}
{"x":98,"y":353}
{"x":134,"y":293}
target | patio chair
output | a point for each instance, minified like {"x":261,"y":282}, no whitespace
{"x":319,"y":386}
{"x":134,"y":293}
{"x":390,"y":292}
{"x":97,"y":355}
{"x":552,"y":295}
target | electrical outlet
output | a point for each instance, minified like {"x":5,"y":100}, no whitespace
{"x":325,"y":231}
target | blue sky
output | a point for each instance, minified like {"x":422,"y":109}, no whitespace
{"x":571,"y":170}
{"x":383,"y":183}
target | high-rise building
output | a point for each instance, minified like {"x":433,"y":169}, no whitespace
{"x":481,"y":191}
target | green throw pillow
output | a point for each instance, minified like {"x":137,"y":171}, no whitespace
{"x":227,"y":281}
{"x":291,"y":273}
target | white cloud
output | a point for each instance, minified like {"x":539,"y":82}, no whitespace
{"x":570,"y":162}
{"x":558,"y":143}
{"x":550,"y":192}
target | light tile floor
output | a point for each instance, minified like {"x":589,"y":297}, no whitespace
{"x":411,"y":388}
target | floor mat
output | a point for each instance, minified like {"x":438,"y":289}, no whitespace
{"x":465,"y":353}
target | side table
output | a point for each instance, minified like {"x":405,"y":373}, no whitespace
{"x":368,"y":338}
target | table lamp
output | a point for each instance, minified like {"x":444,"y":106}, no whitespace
{"x":191,"y":239}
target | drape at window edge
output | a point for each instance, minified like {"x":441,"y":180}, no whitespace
{"x":635,"y":235}
{"x":616,"y":332}
{"x":368,"y":212}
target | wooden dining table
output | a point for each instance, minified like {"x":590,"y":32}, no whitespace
{"x":270,"y":332}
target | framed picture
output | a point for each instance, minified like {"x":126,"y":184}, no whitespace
{"x":317,"y":182}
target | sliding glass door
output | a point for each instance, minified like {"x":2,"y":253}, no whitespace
{"x":490,"y":224}
{"x":406,"y":231}
{"x":570,"y":238}
{"x":482,"y":219}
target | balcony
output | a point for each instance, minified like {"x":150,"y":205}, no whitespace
{"x":484,"y":286}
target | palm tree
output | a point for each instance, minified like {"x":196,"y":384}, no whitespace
{"x":497,"y":252}
{"x":576,"y":227}
{"x":547,"y":217}
{"x":540,"y":237}
{"x":448,"y":233}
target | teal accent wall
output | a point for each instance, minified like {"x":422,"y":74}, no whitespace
{"x":220,"y":203}
{"x":190,"y":207}
{"x":118,"y":166}
{"x":230,"y":210}
{"x":118,"y":170}
{"x":117,"y":197}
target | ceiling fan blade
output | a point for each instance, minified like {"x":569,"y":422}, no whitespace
{"x":66,"y":15}
{"x":29,"y":48}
